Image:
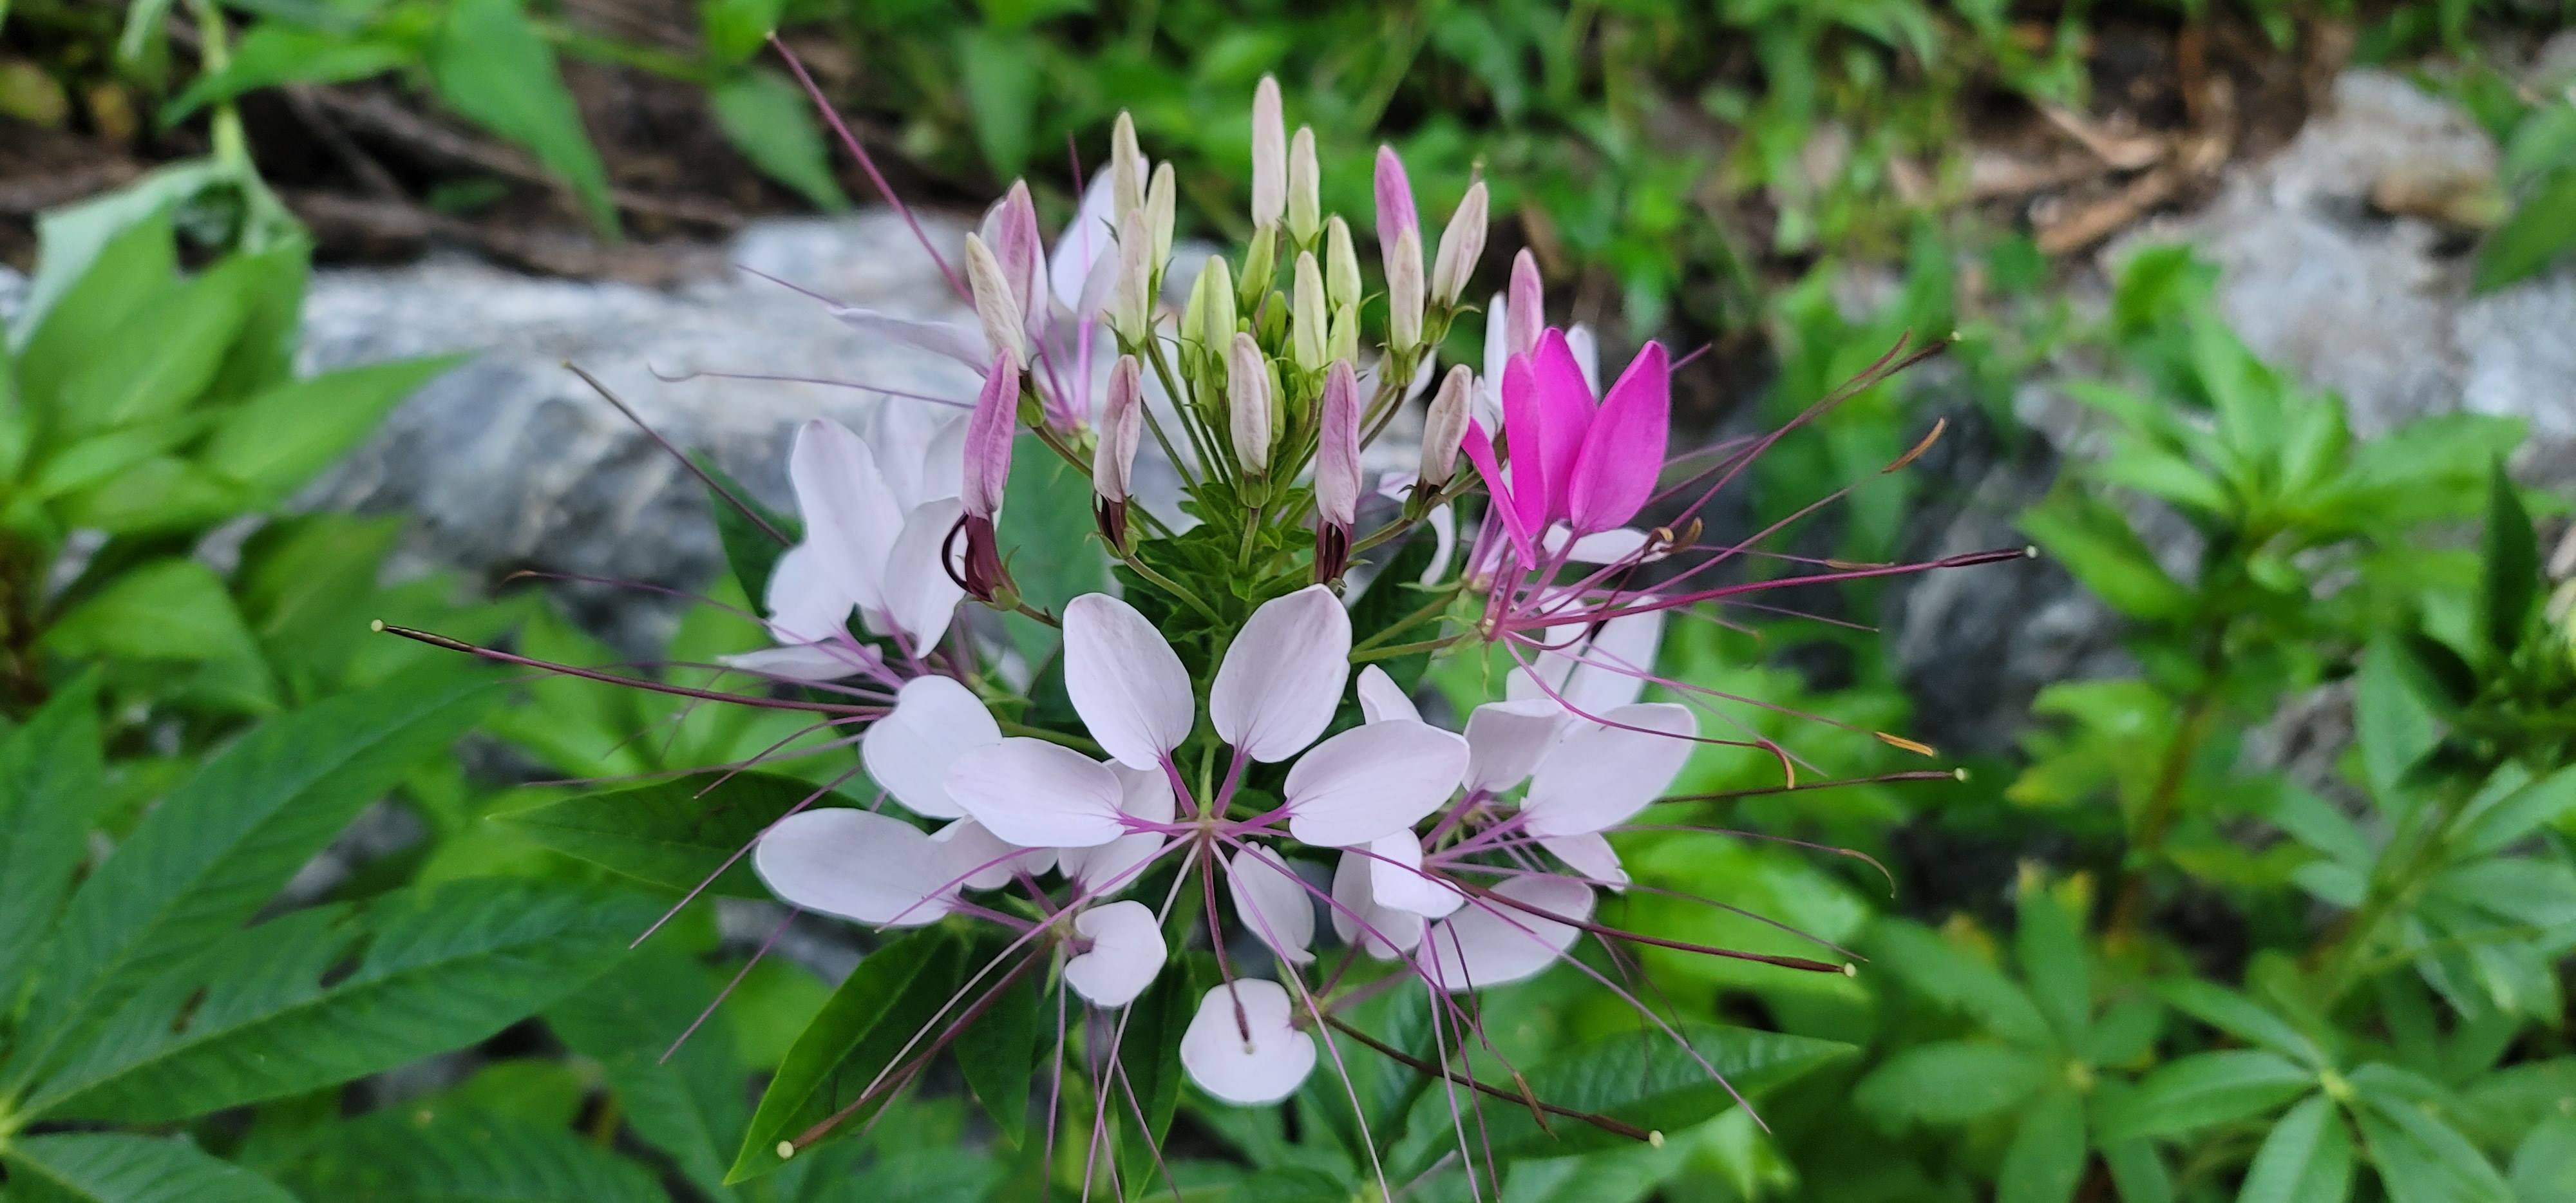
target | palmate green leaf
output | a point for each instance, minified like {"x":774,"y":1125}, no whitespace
{"x":1045,"y":533}
{"x":2489,"y":828}
{"x":2390,"y":722}
{"x":2046,"y":1157}
{"x":114,"y":1167}
{"x":1642,"y":1078}
{"x":2420,"y":1159}
{"x":408,"y":974}
{"x":2238,"y":1016}
{"x":672,"y":834}
{"x":2138,"y":1172}
{"x":1952,"y":978}
{"x":174,"y":609}
{"x":2307,"y":1158}
{"x":2098,"y":547}
{"x":2204,"y":1089}
{"x":458,"y":1155}
{"x":490,"y":63}
{"x":2052,"y":960}
{"x":50,"y":783}
{"x":1949,"y":1082}
{"x":158,"y":359}
{"x":691,"y":1106}
{"x":2544,"y":1167}
{"x":864,"y":1030}
{"x":282,"y":438}
{"x":2508,"y":560}
{"x":769,"y":120}
{"x":224,"y":841}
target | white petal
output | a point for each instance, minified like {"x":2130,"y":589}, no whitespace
{"x":980,"y":860}
{"x":1600,"y":547}
{"x":935,"y":722}
{"x":1086,"y":241}
{"x":807,"y":661}
{"x":1263,"y":1067}
{"x":1498,"y":344}
{"x":1444,"y":543}
{"x":1396,"y":879}
{"x":1492,"y":942}
{"x":899,"y":436}
{"x":1587,"y":355}
{"x":943,"y":467}
{"x":961,"y":343}
{"x":1369,"y":781}
{"x":1381,"y":932}
{"x":806,"y":601}
{"x":1125,"y":681}
{"x":1108,"y":868}
{"x":1613,"y":670}
{"x":920,"y":596}
{"x":1591,"y":856}
{"x":855,"y":864}
{"x":1283,"y":676}
{"x":1272,"y":903}
{"x":1506,"y":739}
{"x":1126,"y":952}
{"x":1038,"y":795}
{"x":1598,"y":776}
{"x":1144,"y":793}
{"x":1382,"y":699}
{"x":850,"y":515}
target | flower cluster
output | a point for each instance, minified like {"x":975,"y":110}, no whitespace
{"x":1224,"y":776}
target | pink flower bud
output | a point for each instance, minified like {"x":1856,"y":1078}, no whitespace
{"x":1623,"y":448}
{"x":1527,"y":312}
{"x":1269,"y":155}
{"x":1011,"y":230}
{"x":1005,"y":333}
{"x":1122,"y":422}
{"x":1461,"y":244}
{"x":1247,"y":389}
{"x":1444,"y":426}
{"x":1337,"y":456}
{"x":1395,"y":209}
{"x":988,"y":440}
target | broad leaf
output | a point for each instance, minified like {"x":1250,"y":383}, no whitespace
{"x":113,"y":1167}
{"x":274,"y":53}
{"x":2204,"y":1089}
{"x":1943,"y":973}
{"x":689,"y":1104}
{"x":158,"y":359}
{"x":458,"y":1155}
{"x":2420,"y":1159}
{"x":2544,"y":1167}
{"x":2307,"y":1158}
{"x":175,"y":610}
{"x":2542,"y":228}
{"x":224,"y":841}
{"x":749,"y":530}
{"x":998,"y":1054}
{"x":769,"y":120}
{"x":1149,"y":1059}
{"x":490,"y":63}
{"x":1951,"y":1081}
{"x":2391,"y":723}
{"x":326,"y":995}
{"x":2096,"y":544}
{"x":283,"y":437}
{"x":672,"y":834}
{"x":50,"y":772}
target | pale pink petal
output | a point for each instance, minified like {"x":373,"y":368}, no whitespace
{"x":920,"y":596}
{"x":1612,"y":546}
{"x":1369,"y":781}
{"x":935,"y":722}
{"x":1587,"y":355}
{"x":1601,"y":674}
{"x":943,"y":462}
{"x":850,"y":516}
{"x":1108,"y":868}
{"x":1241,"y":1046}
{"x":1492,"y":942}
{"x":807,"y":661}
{"x":983,"y":860}
{"x":1282,"y":678}
{"x":964,"y":344}
{"x":1379,"y":931}
{"x":1396,"y":879}
{"x":1272,"y":903}
{"x":1125,"y":681}
{"x":855,"y":864}
{"x":1506,"y":739}
{"x":1087,"y":241}
{"x":1590,"y":856}
{"x":1126,"y":952}
{"x":1600,"y":775}
{"x":1381,"y":699}
{"x":806,"y":601}
{"x":1039,"y":795}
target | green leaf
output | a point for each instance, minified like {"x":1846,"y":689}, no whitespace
{"x":2508,"y":561}
{"x":769,"y":120}
{"x":998,"y":1054}
{"x":307,"y":586}
{"x":2307,"y":1158}
{"x":2138,"y":1172}
{"x":274,"y":53}
{"x":2420,"y":1159}
{"x":50,"y":784}
{"x":2052,"y":960}
{"x":459,"y":1155}
{"x":2544,"y":1167}
{"x":85,"y":463}
{"x":866,"y":1029}
{"x":750,"y":551}
{"x":1000,"y":73}
{"x":2393,"y":726}
{"x":692,"y":1105}
{"x":1946,"y":975}
{"x":1046,"y":530}
{"x":2203,"y":1089}
{"x":1951,"y":1082}
{"x":490,"y":63}
{"x":1649,"y":1081}
{"x":97,"y":262}
{"x":1149,"y":1058}
{"x":224,"y":841}
{"x":2096,"y":544}
{"x":158,"y":359}
{"x":2125,"y":1032}
{"x":2486,"y":830}
{"x":160,"y":495}
{"x":272,"y":284}
{"x":672,"y":834}
{"x":2167,"y":476}
{"x":113,"y":1167}
{"x":2046,"y":1157}
{"x":326,"y":995}
{"x":282,"y":438}
{"x":735,"y":29}
{"x":2541,"y":228}
{"x":175,"y":609}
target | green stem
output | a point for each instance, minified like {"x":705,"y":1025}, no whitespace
{"x":1404,"y":649}
{"x":1439,"y":602}
{"x":1075,"y":742}
{"x":214,"y":54}
{"x":1168,"y":585}
{"x":2164,"y":804}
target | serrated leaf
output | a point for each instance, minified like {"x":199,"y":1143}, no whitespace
{"x":281,"y":438}
{"x":50,"y":784}
{"x":1951,"y":1081}
{"x":691,"y":1106}
{"x":457,"y":1155}
{"x":672,"y":834}
{"x":2307,"y":1158}
{"x":331,"y":994}
{"x":769,"y":120}
{"x":158,"y":359}
{"x":490,"y":63}
{"x":114,"y":1167}
{"x":2391,"y":724}
{"x":2046,"y":1157}
{"x":2204,"y":1089}
{"x":224,"y":841}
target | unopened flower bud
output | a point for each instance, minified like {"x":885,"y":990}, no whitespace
{"x":1305,"y":187}
{"x":1461,"y":244}
{"x":1269,"y":155}
{"x":1113,"y":462}
{"x":1260,"y":266}
{"x":1337,"y":454}
{"x":1526,"y":315}
{"x":1307,"y":333}
{"x":1214,"y":302}
{"x":1404,"y":293}
{"x":1131,"y":309}
{"x":1011,"y":233}
{"x":1343,"y":342}
{"x":1444,"y":427}
{"x":995,"y":306}
{"x":1394,"y":208}
{"x":1341,"y":264}
{"x":1126,"y":169}
{"x":1158,"y":211}
{"x":989,"y":429}
{"x":1247,"y":384}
